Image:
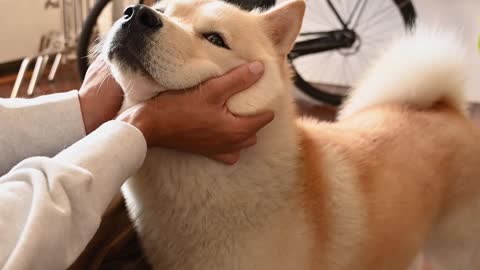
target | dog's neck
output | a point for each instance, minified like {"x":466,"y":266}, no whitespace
{"x":217,"y":204}
{"x":272,"y":92}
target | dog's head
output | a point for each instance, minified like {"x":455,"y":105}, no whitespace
{"x":178,"y":44}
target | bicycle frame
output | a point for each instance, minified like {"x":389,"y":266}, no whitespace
{"x":326,"y":41}
{"x":330,"y":40}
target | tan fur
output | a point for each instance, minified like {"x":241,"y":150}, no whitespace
{"x":396,"y":176}
{"x":411,"y":166}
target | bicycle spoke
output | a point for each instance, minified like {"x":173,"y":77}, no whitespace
{"x":350,"y":76}
{"x":362,"y":9}
{"x":354,"y":10}
{"x":323,"y":14}
{"x":302,"y":64}
{"x":378,"y":29}
{"x":378,"y":43}
{"x":345,"y":69}
{"x":376,"y":19}
{"x":365,"y":62}
{"x":371,"y":33}
{"x":326,"y":60}
{"x":352,"y":13}
{"x":380,"y":14}
{"x":371,"y":49}
{"x":358,"y":69}
{"x":339,"y":18}
{"x":378,"y":40}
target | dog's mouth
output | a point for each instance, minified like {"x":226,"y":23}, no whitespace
{"x":126,"y":59}
{"x":128,"y":53}
{"x":130,"y":40}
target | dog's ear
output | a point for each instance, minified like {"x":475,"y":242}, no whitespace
{"x":283,"y":24}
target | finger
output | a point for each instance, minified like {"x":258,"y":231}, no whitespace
{"x":222,"y":88}
{"x":228,"y":158}
{"x":98,"y":64}
{"x":252,"y":124}
{"x":248,"y":142}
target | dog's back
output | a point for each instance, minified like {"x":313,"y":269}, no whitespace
{"x":399,"y":172}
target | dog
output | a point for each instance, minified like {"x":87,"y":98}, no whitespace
{"x":397,"y":175}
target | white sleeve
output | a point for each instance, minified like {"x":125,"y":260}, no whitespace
{"x":51,"y":207}
{"x":40,"y":126}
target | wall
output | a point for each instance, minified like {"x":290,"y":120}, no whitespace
{"x":23,"y":22}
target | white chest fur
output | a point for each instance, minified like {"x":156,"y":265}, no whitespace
{"x":193,"y":213}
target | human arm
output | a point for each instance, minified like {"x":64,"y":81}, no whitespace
{"x":45,"y":125}
{"x":51,"y":207}
{"x":40,"y":126}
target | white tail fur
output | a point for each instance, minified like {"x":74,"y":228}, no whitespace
{"x":419,"y":69}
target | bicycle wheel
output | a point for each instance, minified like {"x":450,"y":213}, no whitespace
{"x":87,"y":36}
{"x":327,"y":76}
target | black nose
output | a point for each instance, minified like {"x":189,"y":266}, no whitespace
{"x":142,"y":16}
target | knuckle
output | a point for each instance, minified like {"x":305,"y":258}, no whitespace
{"x":242,"y":135}
{"x":245,"y":79}
{"x":235,"y":138}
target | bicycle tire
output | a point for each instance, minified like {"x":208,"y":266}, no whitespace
{"x":86,"y":35}
{"x":407,"y":10}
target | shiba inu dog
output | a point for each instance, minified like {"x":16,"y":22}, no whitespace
{"x":398,"y":173}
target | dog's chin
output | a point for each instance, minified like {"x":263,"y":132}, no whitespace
{"x":137,"y":85}
{"x":126,"y":61}
{"x":130,"y":70}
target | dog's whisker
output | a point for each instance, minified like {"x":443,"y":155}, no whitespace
{"x":129,"y":89}
{"x":103,"y":81}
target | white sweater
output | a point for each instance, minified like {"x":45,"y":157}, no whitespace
{"x":51,"y":201}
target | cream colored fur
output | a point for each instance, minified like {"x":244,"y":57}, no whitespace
{"x":368,"y":192}
{"x":419,"y":69}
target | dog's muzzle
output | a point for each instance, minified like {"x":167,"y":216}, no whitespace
{"x":131,"y":37}
{"x":141,"y":18}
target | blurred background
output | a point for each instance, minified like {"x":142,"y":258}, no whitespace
{"x":44,"y":44}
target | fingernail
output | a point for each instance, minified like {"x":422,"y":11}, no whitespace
{"x":255,"y":67}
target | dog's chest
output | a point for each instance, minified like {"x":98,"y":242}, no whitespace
{"x":192,"y":213}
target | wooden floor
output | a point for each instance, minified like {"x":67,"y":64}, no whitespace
{"x":67,"y":79}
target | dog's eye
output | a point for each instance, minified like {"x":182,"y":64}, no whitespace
{"x":161,"y":10}
{"x":216,"y":39}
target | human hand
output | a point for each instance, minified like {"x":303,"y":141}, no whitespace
{"x":100,"y":96}
{"x":198,"y":120}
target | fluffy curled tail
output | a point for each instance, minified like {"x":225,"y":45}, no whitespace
{"x":419,"y":69}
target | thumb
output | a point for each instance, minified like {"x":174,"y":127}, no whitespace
{"x":236,"y":80}
{"x":252,"y":124}
{"x":228,"y":158}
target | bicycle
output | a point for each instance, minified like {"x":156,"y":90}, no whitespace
{"x":348,"y":45}
{"x":336,"y":37}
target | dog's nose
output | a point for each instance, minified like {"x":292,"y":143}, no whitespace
{"x":142,"y":16}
